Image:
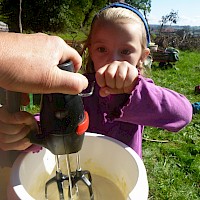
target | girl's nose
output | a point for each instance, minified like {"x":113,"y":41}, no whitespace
{"x":115,"y":56}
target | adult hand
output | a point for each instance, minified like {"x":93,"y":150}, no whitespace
{"x":28,"y":63}
{"x":14,"y":128}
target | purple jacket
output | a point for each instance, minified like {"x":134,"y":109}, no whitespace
{"x":124,"y":116}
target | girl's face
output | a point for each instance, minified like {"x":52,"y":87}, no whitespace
{"x":116,"y":42}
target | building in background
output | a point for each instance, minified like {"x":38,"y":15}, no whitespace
{"x":3,"y":27}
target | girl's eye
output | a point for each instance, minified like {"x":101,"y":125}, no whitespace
{"x":125,"y":51}
{"x":101,"y":49}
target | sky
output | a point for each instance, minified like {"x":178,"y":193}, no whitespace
{"x":188,"y":11}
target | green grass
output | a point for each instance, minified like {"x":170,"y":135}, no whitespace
{"x":173,"y":167}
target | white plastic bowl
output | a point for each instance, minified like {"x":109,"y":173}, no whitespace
{"x":101,"y":155}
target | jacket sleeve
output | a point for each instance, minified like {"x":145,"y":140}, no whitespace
{"x":152,"y":105}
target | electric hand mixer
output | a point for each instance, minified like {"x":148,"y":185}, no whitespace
{"x":63,"y":123}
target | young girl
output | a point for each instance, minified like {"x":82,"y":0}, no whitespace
{"x":124,"y":101}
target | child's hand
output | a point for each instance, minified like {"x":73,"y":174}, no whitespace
{"x":14,"y":128}
{"x":116,"y":78}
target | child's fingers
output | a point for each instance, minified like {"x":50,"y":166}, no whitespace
{"x":131,"y":77}
{"x":110,"y":75}
{"x":105,"y":91}
{"x":120,"y":77}
{"x":100,"y":76}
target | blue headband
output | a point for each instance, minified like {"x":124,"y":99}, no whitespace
{"x":131,"y":8}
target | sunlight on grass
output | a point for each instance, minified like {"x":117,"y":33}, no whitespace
{"x":174,"y":167}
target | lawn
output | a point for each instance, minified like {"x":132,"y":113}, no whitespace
{"x":172,"y":160}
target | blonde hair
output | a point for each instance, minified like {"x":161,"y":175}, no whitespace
{"x":112,"y":15}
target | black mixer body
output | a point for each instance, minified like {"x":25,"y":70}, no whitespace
{"x":59,"y":117}
{"x":63,"y":121}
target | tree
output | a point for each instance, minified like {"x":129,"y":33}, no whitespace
{"x":113,"y":1}
{"x":60,"y":15}
{"x":86,"y":9}
{"x":143,"y":5}
{"x":20,"y":16}
{"x":172,"y":18}
{"x":49,"y":15}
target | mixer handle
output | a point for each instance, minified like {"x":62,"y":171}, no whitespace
{"x":67,"y":66}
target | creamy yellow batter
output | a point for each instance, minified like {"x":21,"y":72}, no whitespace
{"x":103,"y":188}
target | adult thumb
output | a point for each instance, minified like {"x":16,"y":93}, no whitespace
{"x":65,"y":82}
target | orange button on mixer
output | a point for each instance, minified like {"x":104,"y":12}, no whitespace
{"x":83,"y":126}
